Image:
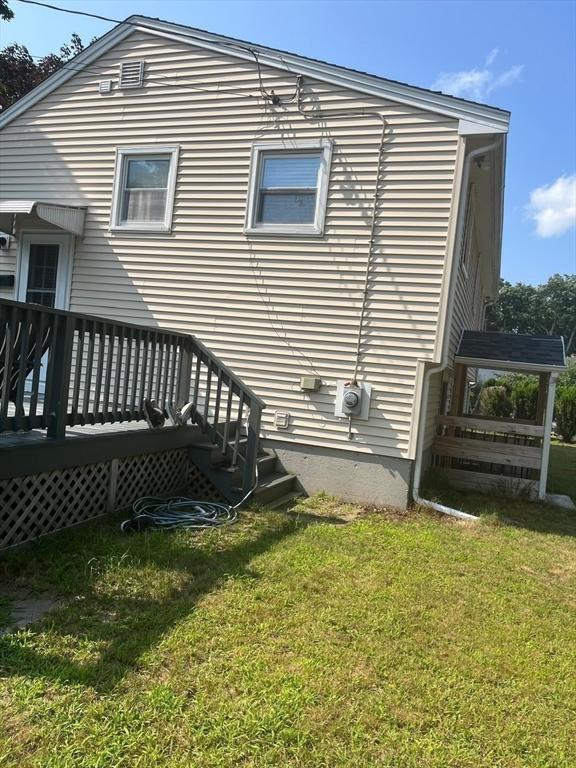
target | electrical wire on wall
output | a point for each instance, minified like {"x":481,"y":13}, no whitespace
{"x":274,"y":100}
{"x":317,"y":116}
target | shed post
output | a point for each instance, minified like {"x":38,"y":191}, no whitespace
{"x":548,"y":414}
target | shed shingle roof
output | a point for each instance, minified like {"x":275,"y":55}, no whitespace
{"x":543,"y":351}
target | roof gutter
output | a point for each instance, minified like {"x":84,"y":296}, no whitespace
{"x":417,"y":478}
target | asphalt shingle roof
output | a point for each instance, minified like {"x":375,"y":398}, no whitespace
{"x":545,"y":351}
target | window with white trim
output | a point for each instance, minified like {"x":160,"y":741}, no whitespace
{"x":288,"y":187}
{"x":467,"y":234}
{"x":144,"y":188}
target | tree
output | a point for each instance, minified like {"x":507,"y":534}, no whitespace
{"x":5,"y":12}
{"x":19,"y":73}
{"x":541,"y":310}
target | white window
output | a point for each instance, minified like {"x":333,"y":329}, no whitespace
{"x":468,"y":233}
{"x":288,"y":187}
{"x":144,"y":188}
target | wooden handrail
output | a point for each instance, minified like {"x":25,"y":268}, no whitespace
{"x":61,"y":369}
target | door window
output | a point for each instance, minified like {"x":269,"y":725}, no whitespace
{"x":42,"y":274}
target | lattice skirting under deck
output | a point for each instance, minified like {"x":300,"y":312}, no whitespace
{"x":35,"y":505}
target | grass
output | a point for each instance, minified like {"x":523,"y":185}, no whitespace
{"x":562,"y":473}
{"x":295,"y":640}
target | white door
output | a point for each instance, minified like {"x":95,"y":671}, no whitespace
{"x":44,"y":274}
{"x":44,"y":277}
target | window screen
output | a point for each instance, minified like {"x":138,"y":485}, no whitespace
{"x":288,"y":188}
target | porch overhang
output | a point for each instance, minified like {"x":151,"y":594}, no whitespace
{"x":67,"y":217}
{"x":511,"y":352}
{"x":479,"y":450}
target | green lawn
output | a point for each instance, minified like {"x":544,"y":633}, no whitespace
{"x":562,"y":472}
{"x":294,"y":640}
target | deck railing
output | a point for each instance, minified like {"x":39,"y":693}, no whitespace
{"x":61,"y":369}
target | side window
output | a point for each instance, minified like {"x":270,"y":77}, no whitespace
{"x":288,"y":188}
{"x":468,"y":233}
{"x":144,"y":189}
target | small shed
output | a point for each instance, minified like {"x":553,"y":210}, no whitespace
{"x":500,"y":454}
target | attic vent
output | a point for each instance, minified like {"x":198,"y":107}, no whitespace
{"x":131,"y":74}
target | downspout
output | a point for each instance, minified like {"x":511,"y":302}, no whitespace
{"x":445,"y":349}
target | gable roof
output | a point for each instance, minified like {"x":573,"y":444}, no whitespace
{"x":488,"y":119}
{"x":511,"y":349}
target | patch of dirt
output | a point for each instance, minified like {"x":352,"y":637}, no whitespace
{"x":25,"y":607}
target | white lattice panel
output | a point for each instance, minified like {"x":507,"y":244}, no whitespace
{"x":34,"y":505}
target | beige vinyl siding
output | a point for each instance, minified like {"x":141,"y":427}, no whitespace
{"x":433,"y":408}
{"x":273,"y":307}
{"x":468,"y":311}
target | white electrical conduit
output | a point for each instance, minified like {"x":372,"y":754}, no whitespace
{"x":444,"y":361}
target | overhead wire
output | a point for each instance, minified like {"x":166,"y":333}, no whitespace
{"x":275,"y":100}
{"x":266,"y":95}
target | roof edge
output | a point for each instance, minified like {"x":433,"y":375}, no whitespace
{"x":506,"y":365}
{"x":489,"y":119}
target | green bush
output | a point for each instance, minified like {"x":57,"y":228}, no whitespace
{"x":494,"y":401}
{"x":566,"y":413}
{"x":524,"y":396}
{"x":568,"y":378}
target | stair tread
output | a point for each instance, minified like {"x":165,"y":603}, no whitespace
{"x":285,"y":500}
{"x":276,"y":479}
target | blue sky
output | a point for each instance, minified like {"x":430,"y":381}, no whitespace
{"x":517,"y":55}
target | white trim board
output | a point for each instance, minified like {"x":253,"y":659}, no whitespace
{"x":501,"y":365}
{"x":261,"y":148}
{"x":155,"y":150}
{"x":476,"y":117}
{"x":64,"y":273}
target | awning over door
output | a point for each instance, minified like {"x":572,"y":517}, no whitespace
{"x":68,"y":217}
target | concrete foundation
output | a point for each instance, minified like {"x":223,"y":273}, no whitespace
{"x":359,"y":477}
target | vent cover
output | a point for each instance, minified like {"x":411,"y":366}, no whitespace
{"x":131,"y":74}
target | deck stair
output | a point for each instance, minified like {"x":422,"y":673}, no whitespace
{"x":275,"y":486}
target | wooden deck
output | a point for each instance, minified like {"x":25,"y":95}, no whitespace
{"x":39,"y":436}
{"x":33,"y":452}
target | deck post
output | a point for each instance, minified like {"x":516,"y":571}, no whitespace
{"x":184,"y":373}
{"x":58,"y":372}
{"x":251,"y":446}
{"x":458,"y":390}
{"x":542,"y":395}
{"x":548,"y":414}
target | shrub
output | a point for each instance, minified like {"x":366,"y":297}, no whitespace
{"x":566,"y":413}
{"x":568,"y":378}
{"x":494,"y":401}
{"x":524,"y":396}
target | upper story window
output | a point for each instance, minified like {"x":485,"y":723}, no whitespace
{"x":144,"y":188}
{"x":467,"y":233}
{"x":288,"y":187}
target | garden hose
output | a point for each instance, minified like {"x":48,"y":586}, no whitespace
{"x":182,"y":512}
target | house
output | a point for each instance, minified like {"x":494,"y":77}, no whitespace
{"x":326,"y":233}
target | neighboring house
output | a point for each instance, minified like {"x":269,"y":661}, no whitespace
{"x":301,"y":219}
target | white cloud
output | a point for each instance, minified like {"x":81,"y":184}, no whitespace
{"x":479,"y":82}
{"x":553,"y":207}
{"x":491,"y":58}
{"x":507,"y":77}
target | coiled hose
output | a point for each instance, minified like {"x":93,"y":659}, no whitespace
{"x":182,"y":512}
